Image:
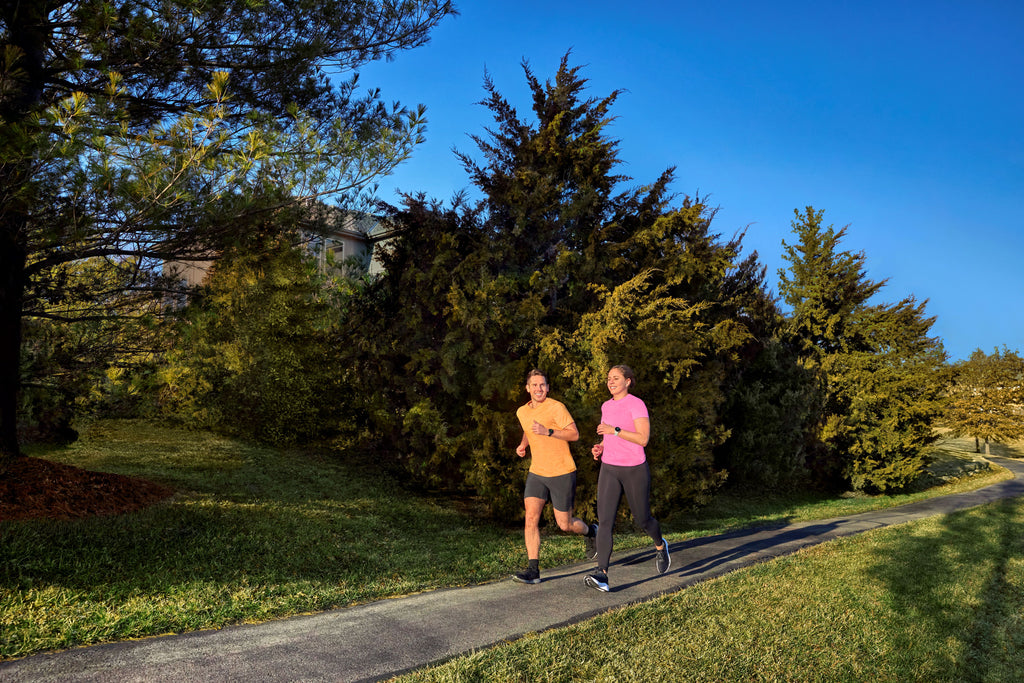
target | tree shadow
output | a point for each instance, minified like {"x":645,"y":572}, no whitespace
{"x":700,"y":568}
{"x":924,"y":577}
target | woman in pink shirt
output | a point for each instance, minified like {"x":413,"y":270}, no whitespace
{"x":625,"y":429}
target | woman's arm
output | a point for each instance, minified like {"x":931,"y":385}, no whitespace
{"x":640,"y":437}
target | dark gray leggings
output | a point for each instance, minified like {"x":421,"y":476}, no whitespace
{"x":612,"y":482}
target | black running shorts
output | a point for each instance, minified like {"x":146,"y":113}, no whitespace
{"x":561,"y":490}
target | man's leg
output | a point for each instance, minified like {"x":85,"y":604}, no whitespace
{"x":531,"y":532}
{"x":534,"y":506}
{"x":566,"y":522}
{"x":563,"y":498}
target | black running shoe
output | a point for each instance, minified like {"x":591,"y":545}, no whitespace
{"x":663,"y":557}
{"x":528,"y":575}
{"x":598,"y":580}
{"x":591,"y":543}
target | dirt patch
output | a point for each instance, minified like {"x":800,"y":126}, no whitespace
{"x":33,"y":488}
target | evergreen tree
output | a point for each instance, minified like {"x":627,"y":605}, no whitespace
{"x":881,"y":374}
{"x":770,"y":408}
{"x":139,"y":133}
{"x":987,"y":398}
{"x":415,"y":340}
{"x":559,"y":268}
{"x":77,"y":346}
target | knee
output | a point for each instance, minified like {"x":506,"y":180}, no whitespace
{"x":644,"y":523}
{"x":565,"y":525}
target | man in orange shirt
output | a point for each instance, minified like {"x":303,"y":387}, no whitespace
{"x":547,"y":430}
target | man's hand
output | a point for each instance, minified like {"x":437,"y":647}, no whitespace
{"x":521,"y":450}
{"x":538,"y":428}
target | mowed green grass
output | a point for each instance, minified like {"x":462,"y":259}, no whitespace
{"x":940,"y":599}
{"x":936,"y":600}
{"x":257,"y":533}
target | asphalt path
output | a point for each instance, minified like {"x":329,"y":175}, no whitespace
{"x":382,"y":639}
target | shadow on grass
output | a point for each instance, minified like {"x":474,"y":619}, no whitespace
{"x":961,"y":589}
{"x":208,"y":541}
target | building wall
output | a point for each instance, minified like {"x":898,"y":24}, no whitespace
{"x":349,"y":237}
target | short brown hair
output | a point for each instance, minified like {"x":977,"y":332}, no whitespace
{"x":534,"y":373}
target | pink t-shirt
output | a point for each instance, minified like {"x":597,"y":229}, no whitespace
{"x":622,"y":413}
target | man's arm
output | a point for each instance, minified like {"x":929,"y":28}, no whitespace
{"x":567,"y":433}
{"x":521,"y":448}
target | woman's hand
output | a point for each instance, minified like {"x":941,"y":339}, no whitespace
{"x":605,"y":429}
{"x":597,"y":450}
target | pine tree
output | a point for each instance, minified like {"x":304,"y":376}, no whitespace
{"x":559,"y":268}
{"x":140,"y":132}
{"x":881,"y":374}
{"x":253,"y":355}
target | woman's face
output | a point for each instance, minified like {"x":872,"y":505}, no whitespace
{"x":618,"y":385}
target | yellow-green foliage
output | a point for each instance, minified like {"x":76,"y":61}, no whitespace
{"x":254,"y":355}
{"x":664,"y":340}
{"x":551,"y":270}
{"x":987,"y":397}
{"x":882,"y":375}
{"x":88,"y":327}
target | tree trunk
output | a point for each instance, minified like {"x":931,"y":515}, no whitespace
{"x":26,"y":37}
{"x":12,"y":289}
{"x":977,"y":445}
{"x":986,"y":448}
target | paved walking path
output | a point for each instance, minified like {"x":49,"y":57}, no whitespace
{"x":381,"y":639}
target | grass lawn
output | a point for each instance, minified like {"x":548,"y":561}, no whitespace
{"x":936,"y":600}
{"x":256,"y":533}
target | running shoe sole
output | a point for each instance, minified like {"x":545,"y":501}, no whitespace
{"x":594,"y":582}
{"x":522,"y":580}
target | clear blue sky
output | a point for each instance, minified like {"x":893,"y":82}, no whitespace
{"x":903,"y":120}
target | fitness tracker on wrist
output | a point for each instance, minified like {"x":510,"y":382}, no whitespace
{"x":551,"y":432}
{"x":617,"y":430}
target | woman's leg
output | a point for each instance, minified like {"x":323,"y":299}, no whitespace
{"x":609,"y":494}
{"x":636,"y":483}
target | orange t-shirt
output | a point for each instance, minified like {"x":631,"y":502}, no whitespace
{"x":549,"y":457}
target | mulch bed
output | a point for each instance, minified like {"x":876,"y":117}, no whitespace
{"x":32,"y":488}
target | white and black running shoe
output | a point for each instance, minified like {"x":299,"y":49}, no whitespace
{"x":598,"y":580}
{"x":663,"y":558}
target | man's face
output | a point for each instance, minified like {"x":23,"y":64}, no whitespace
{"x":537,"y":387}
